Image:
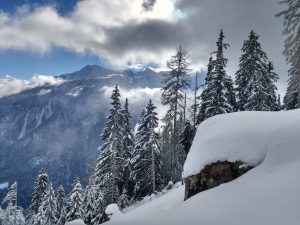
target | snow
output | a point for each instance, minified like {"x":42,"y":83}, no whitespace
{"x":245,"y":136}
{"x":75,"y":91}
{"x":269,"y":194}
{"x":113,"y":211}
{"x":76,"y":222}
{"x":44,"y":91}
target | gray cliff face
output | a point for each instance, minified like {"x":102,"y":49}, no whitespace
{"x":57,"y":127}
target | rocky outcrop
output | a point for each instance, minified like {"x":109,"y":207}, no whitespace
{"x":213,"y":175}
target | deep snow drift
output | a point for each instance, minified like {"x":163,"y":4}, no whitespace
{"x":269,"y":194}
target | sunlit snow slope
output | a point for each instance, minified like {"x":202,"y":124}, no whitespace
{"x":269,"y":194}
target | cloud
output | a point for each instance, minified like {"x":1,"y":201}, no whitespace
{"x":10,"y":85}
{"x":147,"y":31}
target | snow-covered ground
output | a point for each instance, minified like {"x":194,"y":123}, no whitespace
{"x":269,"y":194}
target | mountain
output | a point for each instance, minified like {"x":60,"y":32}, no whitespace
{"x":57,"y":127}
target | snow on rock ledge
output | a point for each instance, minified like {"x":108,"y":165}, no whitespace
{"x":244,"y":136}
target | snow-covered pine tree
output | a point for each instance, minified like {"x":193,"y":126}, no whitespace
{"x":40,"y":190}
{"x":89,"y":204}
{"x":146,"y":159}
{"x":176,"y":81}
{"x":13,"y":214}
{"x":255,"y":79}
{"x":123,"y":200}
{"x":263,"y":91}
{"x":187,"y":136}
{"x":47,"y":212}
{"x":62,"y":217}
{"x":74,"y":205}
{"x":166,"y":146}
{"x":127,"y":148}
{"x":279,"y":105}
{"x":269,"y":81}
{"x":99,"y":211}
{"x":205,"y":97}
{"x":109,"y":170}
{"x":217,"y":93}
{"x":292,"y":51}
{"x":60,"y":199}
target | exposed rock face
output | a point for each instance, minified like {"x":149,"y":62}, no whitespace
{"x":213,"y":175}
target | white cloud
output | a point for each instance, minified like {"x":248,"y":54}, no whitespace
{"x":10,"y":85}
{"x":83,"y":30}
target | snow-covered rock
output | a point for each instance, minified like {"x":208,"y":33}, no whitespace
{"x":75,"y":222}
{"x":245,"y":136}
{"x":269,"y":194}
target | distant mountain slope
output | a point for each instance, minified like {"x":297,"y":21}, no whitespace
{"x":57,"y":126}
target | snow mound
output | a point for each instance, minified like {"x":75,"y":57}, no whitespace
{"x":268,"y":194}
{"x":76,"y":222}
{"x":113,"y":210}
{"x":244,"y":136}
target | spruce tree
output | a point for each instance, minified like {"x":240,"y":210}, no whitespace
{"x":47,"y":212}
{"x":127,"y":148}
{"x":109,"y":170}
{"x":147,"y":155}
{"x":255,"y":79}
{"x":176,"y":81}
{"x":89,"y":204}
{"x":217,"y":97}
{"x":123,"y":200}
{"x":292,"y":51}
{"x":74,"y":206}
{"x":62,"y":217}
{"x":60,"y":199}
{"x":40,"y":190}
{"x":205,"y":97}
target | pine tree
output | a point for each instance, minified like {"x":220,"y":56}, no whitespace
{"x":47,"y":212}
{"x":109,"y":170}
{"x":40,"y":190}
{"x":62,"y":217}
{"x":255,"y":79}
{"x":123,"y":200}
{"x":292,"y":51}
{"x":187,"y":136}
{"x":205,"y":97}
{"x":74,"y":206}
{"x":89,"y":204}
{"x":146,"y":159}
{"x":60,"y":199}
{"x":13,"y":214}
{"x":127,"y":148}
{"x":217,"y":97}
{"x":176,"y":81}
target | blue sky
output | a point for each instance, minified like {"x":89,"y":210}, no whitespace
{"x":23,"y":64}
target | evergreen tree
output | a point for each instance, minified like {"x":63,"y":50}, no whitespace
{"x":13,"y":214}
{"x":292,"y":51}
{"x":176,"y":81}
{"x":74,"y":206}
{"x":109,"y":170}
{"x":146,"y":159}
{"x":60,"y":199}
{"x":279,"y":106}
{"x":255,"y":78}
{"x":187,"y":136}
{"x":40,"y":190}
{"x":217,"y":97}
{"x":47,"y":212}
{"x":205,"y":97}
{"x":127,"y":146}
{"x":89,"y":204}
{"x":62,"y":217}
{"x":123,"y":200}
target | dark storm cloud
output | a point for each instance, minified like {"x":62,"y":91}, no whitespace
{"x":197,"y":31}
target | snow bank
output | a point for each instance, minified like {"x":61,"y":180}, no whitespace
{"x":269,"y":194}
{"x":76,"y":222}
{"x":244,"y":136}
